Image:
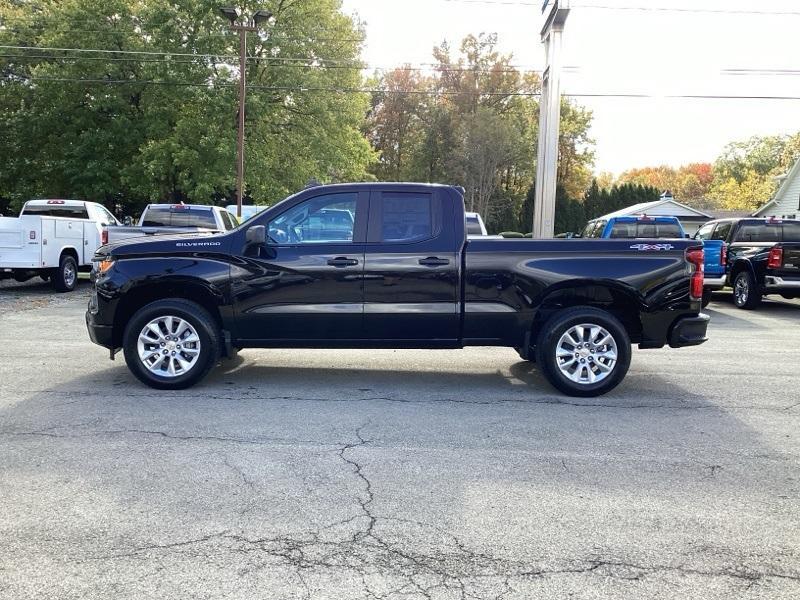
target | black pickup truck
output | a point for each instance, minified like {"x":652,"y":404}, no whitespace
{"x":762,"y":257}
{"x":395,"y":271}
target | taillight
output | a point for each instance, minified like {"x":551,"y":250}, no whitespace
{"x":104,"y":237}
{"x":775,"y":259}
{"x":723,"y":255}
{"x":696,"y":258}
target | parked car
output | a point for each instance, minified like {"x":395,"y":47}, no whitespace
{"x":160,"y":219}
{"x":628,"y":228}
{"x":403,"y":275}
{"x":52,"y":239}
{"x":761,"y":257}
{"x":716,"y":258}
{"x":475,"y":225}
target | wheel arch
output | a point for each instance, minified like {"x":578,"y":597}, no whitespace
{"x":740,"y":265}
{"x":70,"y":251}
{"x":141,"y":295}
{"x":623,"y":303}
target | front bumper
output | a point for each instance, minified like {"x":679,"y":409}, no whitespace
{"x":714,"y":283}
{"x":689,"y":331}
{"x":102,"y":335}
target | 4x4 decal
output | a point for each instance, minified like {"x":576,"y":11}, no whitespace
{"x":645,"y":247}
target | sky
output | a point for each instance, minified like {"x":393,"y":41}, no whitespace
{"x":686,"y":50}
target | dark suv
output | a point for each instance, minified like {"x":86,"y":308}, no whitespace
{"x":763,"y":257}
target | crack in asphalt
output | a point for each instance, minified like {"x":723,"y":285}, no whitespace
{"x":386,"y":562}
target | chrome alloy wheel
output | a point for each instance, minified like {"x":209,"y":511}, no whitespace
{"x":70,"y":274}
{"x":169,"y":346}
{"x":741,"y":290}
{"x":586,"y":353}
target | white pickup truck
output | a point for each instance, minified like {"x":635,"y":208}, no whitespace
{"x":161,"y":219}
{"x":52,"y":239}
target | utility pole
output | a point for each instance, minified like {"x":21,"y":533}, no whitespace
{"x":549,"y":121}
{"x":242,"y":27}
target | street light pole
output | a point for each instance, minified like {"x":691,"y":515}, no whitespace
{"x":549,"y":121}
{"x":242,"y":27}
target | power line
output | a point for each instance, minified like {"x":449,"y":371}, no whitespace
{"x":276,"y":60}
{"x":273,"y":62}
{"x":356,"y":90}
{"x":718,"y":11}
{"x":724,"y":11}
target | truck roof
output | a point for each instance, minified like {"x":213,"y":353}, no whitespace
{"x":59,"y":201}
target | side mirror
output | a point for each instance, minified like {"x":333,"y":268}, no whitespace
{"x":256,"y":235}
{"x":127,"y":221}
{"x":688,"y":237}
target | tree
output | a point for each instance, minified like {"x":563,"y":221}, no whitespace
{"x":127,"y":128}
{"x":745,"y":173}
{"x":474,"y":122}
{"x":689,"y":184}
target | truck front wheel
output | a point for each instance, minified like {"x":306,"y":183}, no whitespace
{"x":171,"y":344}
{"x":583,"y":351}
{"x":65,"y":277}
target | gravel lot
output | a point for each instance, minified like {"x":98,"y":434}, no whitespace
{"x":398,"y":474}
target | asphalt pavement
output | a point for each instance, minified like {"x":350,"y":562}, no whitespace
{"x":345,"y":474}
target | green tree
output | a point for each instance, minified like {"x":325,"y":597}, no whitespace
{"x":127,"y":128}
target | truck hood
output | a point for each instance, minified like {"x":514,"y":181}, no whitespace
{"x":165,"y":244}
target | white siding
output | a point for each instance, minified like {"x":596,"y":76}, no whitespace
{"x":788,"y":203}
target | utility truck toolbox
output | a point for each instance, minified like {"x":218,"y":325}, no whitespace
{"x":51,"y":239}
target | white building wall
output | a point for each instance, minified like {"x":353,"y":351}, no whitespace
{"x":788,"y":205}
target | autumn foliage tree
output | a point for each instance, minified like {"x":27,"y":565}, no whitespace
{"x":473,"y":121}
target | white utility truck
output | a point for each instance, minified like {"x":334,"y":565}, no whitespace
{"x":52,"y":239}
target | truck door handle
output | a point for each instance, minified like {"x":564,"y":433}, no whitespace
{"x":433,"y":261}
{"x":342,"y":261}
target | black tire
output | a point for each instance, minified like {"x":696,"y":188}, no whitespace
{"x":746,"y":294}
{"x":208,"y":332}
{"x":706,"y":298}
{"x":557,"y":326}
{"x":65,"y":277}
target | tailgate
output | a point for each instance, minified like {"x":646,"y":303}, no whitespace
{"x":791,"y":260}
{"x":713,"y":258}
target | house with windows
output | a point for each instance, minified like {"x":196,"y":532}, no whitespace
{"x":785,"y":204}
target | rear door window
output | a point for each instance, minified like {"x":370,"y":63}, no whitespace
{"x":759,"y":232}
{"x":406,"y":217}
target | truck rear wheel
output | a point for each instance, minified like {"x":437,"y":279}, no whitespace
{"x":65,"y":277}
{"x":171,"y":344}
{"x":746,"y":294}
{"x":583,"y":351}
